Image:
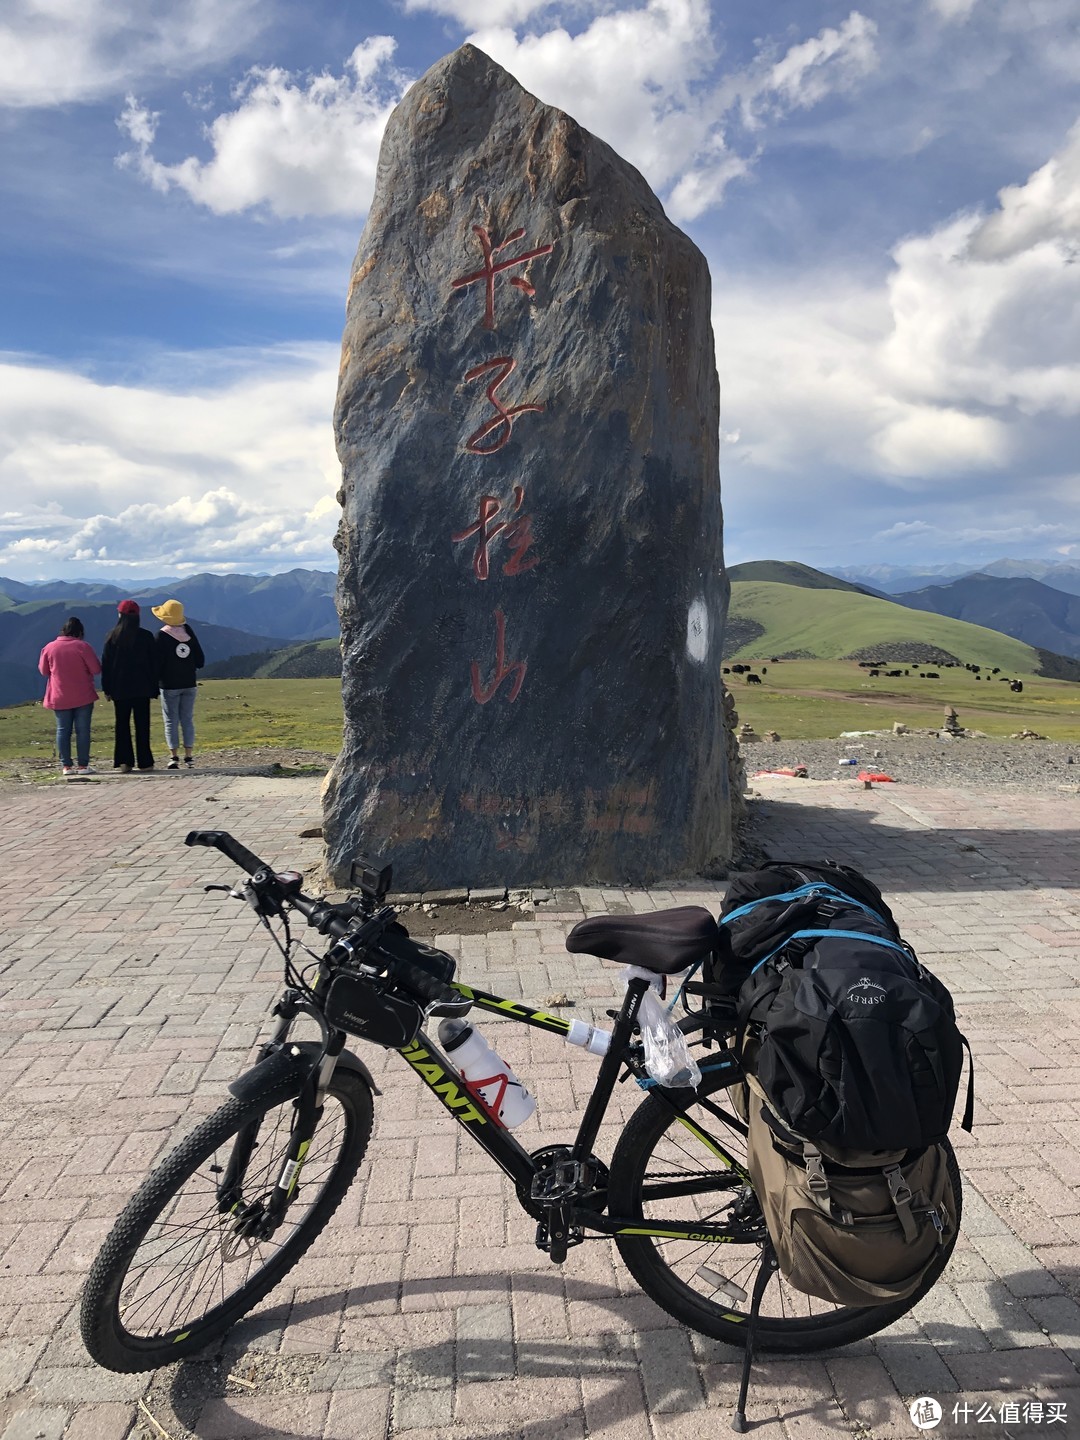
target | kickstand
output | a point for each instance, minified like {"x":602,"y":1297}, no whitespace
{"x":764,"y":1275}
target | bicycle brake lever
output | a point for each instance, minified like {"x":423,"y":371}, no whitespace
{"x":226,"y":888}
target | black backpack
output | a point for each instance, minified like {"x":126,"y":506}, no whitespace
{"x":852,"y":1041}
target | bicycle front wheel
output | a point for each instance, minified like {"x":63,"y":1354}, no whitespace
{"x":175,"y":1273}
{"x":707,"y":1285}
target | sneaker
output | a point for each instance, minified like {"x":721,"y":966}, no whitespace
{"x":87,"y":770}
{"x":68,"y":769}
{"x":174,"y":764}
{"x":124,"y":769}
{"x":189,"y":761}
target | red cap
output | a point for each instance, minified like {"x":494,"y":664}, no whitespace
{"x":127,"y":607}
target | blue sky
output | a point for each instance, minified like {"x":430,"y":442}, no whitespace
{"x":888,"y":197}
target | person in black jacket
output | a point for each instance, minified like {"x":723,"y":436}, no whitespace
{"x":129,"y":680}
{"x":179,"y":655}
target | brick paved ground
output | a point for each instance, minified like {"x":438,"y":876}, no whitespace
{"x":127,"y":1000}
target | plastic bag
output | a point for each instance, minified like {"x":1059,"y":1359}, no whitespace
{"x":667,"y":1056}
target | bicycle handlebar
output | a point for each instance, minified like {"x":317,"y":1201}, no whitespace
{"x":232,"y":849}
{"x":344,"y":922}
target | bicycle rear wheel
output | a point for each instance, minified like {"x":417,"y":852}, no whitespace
{"x":706,"y":1285}
{"x":174,"y":1274}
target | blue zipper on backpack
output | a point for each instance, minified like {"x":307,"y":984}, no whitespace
{"x":824,"y":935}
{"x":818,"y":887}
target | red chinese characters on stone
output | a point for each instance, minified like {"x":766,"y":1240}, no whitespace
{"x":502,"y":426}
{"x":492,"y":267}
{"x":483,"y":693}
{"x":517,"y":534}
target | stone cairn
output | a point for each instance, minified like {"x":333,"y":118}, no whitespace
{"x":531,"y":589}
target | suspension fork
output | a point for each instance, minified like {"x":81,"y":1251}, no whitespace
{"x":308,"y":1108}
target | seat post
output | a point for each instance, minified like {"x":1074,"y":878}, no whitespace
{"x":621,"y":1034}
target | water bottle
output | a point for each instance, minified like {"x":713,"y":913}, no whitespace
{"x":847,"y":762}
{"x":490,"y":1080}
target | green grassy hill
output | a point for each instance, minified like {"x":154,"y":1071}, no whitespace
{"x":318,"y":660}
{"x":790,"y":572}
{"x":786,"y":619}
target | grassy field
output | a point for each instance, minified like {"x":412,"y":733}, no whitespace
{"x":230,"y":714}
{"x":817,"y":699}
{"x":801,"y":699}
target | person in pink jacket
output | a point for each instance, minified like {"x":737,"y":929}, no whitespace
{"x":69,"y":665}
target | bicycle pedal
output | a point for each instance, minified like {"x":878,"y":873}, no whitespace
{"x":564,"y":1180}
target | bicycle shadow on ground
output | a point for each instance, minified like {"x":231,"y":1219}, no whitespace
{"x":656,"y":1368}
{"x":917,"y":858}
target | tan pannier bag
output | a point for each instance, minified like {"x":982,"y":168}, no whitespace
{"x":861,"y":1231}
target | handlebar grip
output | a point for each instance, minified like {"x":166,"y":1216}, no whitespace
{"x":422,"y":983}
{"x":230,"y":848}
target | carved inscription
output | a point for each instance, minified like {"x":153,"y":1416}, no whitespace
{"x":492,"y":267}
{"x":512,"y":527}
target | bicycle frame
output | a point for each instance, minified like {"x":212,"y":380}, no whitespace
{"x":452,"y":1091}
{"x":446,"y":1083}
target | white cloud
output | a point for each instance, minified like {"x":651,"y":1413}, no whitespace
{"x":1045,"y":208}
{"x":836,"y":59}
{"x":644,"y":79}
{"x":703,"y":188}
{"x":480,"y":12}
{"x":905,"y":530}
{"x":985,"y":332}
{"x":634,"y":77}
{"x":300,"y":147}
{"x":962,"y":366}
{"x":933,"y":440}
{"x":234,"y":469}
{"x":53,"y":52}
{"x":952,"y":10}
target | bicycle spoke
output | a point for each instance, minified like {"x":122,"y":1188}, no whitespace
{"x":183,"y":1269}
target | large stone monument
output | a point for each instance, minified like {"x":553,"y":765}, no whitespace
{"x":531,"y":587}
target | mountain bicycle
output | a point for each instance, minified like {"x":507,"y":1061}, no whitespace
{"x":236,"y":1204}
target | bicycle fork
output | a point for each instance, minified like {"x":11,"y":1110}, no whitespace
{"x":260,"y":1218}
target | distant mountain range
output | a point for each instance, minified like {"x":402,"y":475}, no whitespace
{"x":235,"y":615}
{"x":1028,"y":610}
{"x":24,"y":629}
{"x":898,"y":579}
{"x":298,"y":605}
{"x":285,"y":625}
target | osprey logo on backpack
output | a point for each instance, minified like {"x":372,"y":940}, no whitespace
{"x":865,"y":992}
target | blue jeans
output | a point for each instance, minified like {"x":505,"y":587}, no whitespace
{"x":178,"y":712}
{"x":79,"y":721}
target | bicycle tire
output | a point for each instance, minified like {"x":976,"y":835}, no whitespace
{"x":790,"y":1322}
{"x":108,"y":1311}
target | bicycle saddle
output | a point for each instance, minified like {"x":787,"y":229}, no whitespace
{"x":662,"y":940}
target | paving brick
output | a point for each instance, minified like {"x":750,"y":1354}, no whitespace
{"x":1043,"y":1371}
{"x":358,"y":1415}
{"x":100,"y":1422}
{"x":37,"y":1422}
{"x":283,"y":1417}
